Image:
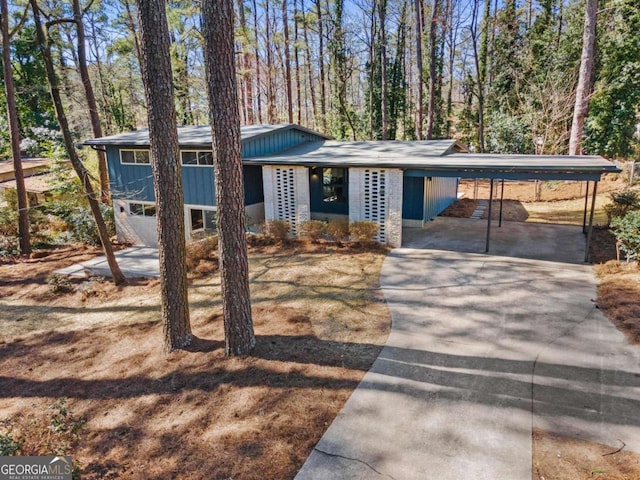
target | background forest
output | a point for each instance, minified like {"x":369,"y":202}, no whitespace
{"x":498,"y":75}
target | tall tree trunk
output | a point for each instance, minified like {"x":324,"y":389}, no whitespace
{"x":372,"y":68}
{"x":287,"y":60}
{"x":420,"y":101}
{"x":132,"y":28}
{"x":583,"y":90}
{"x":14,"y":134}
{"x":101,"y":79}
{"x":480,"y":78}
{"x":257,"y":60}
{"x":225,"y":132}
{"x":296,"y":59}
{"x":433,"y":38}
{"x":323,"y":81}
{"x":453,"y":37}
{"x":165,"y":163}
{"x":271,"y":93}
{"x":338,"y":58}
{"x":96,"y":127}
{"x":82,"y":172}
{"x":382,"y":15}
{"x":311,"y":83}
{"x":246,"y":59}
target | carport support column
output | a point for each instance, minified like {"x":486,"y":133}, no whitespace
{"x":590,"y":231}
{"x":486,"y":250}
{"x":586,"y":203}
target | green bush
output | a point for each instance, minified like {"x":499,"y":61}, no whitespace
{"x":8,"y":446}
{"x":313,"y":230}
{"x":79,"y":218}
{"x":9,"y":246}
{"x":278,"y":230}
{"x":338,"y":229}
{"x":8,"y":222}
{"x":363,"y":231}
{"x":627,"y":231}
{"x":59,"y":284}
{"x":623,"y":202}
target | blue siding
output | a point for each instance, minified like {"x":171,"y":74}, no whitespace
{"x":253,"y":185}
{"x":276,"y":142}
{"x":198,"y":185}
{"x":129,"y":181}
{"x":413,"y":198}
{"x":419,"y":203}
{"x":440,"y":193}
{"x":135,"y":182}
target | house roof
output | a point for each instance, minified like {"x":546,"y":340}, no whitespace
{"x":27,"y":164}
{"x":197,"y":135}
{"x":383,"y":153}
{"x":33,"y":184}
{"x":439,"y":158}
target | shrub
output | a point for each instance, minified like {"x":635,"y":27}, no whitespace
{"x":313,"y":230}
{"x":8,"y":222}
{"x":81,"y":222}
{"x":363,"y":231}
{"x":278,"y":230}
{"x":8,"y":446}
{"x":59,"y":284}
{"x":627,"y":232}
{"x":623,"y":202}
{"x":9,"y":246}
{"x":204,"y":250}
{"x":338,"y":230}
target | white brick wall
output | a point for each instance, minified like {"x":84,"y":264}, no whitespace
{"x":302,"y":210}
{"x":394,"y":207}
{"x":303,"y":200}
{"x":391,"y":203}
{"x":269,"y":193}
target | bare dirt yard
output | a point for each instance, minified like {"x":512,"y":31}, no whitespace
{"x":557,"y":457}
{"x":320,"y":321}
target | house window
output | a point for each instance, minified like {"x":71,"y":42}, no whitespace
{"x":134,"y":156}
{"x":196,"y":157}
{"x":202,"y":220}
{"x":334,"y":185}
{"x":142,"y":209}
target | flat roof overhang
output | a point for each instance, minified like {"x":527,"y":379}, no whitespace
{"x":461,"y":165}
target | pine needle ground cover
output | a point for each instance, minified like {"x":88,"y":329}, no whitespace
{"x":320,"y":321}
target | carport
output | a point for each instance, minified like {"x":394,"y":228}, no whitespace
{"x":500,"y":167}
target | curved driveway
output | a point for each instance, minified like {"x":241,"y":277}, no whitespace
{"x":482,"y":350}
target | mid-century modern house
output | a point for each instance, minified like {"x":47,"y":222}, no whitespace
{"x":296,"y":174}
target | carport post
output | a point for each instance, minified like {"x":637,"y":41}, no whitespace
{"x":593,"y":207}
{"x":501,"y":200}
{"x":584,"y":218}
{"x":489,"y":220}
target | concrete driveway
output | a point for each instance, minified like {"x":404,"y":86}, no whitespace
{"x":482,"y":350}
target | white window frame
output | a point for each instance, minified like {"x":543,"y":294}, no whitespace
{"x":188,"y":222}
{"x":196,"y":164}
{"x":134,"y":150}
{"x":144,"y":213}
